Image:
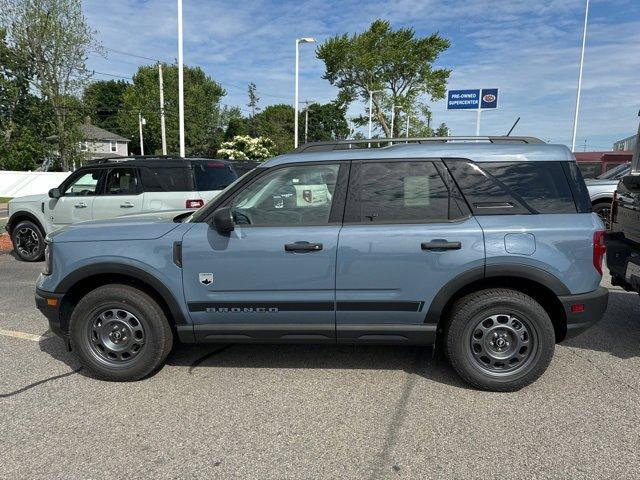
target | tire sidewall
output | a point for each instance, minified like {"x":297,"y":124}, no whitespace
{"x":148,"y":314}
{"x":39,"y":234}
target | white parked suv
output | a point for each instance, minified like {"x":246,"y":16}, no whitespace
{"x":110,"y":188}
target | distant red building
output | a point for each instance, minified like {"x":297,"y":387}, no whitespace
{"x":593,"y":164}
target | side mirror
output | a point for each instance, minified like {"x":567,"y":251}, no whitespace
{"x":54,"y":193}
{"x":223,"y":220}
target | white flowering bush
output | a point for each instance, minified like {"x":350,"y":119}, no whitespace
{"x":243,"y":147}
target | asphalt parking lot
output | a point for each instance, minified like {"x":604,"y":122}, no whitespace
{"x":246,"y":411}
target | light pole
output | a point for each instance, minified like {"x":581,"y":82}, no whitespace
{"x":295,"y":100}
{"x":163,"y":130}
{"x":306,"y":119}
{"x":408,"y":117}
{"x":141,"y":122}
{"x":584,"y":41}
{"x":180,"y":81}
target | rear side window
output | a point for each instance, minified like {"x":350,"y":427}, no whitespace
{"x":212,"y":175}
{"x":495,"y":188}
{"x":166,"y":179}
{"x":590,"y":169}
{"x":395,"y":192}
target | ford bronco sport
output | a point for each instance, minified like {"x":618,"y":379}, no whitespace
{"x":485,"y":248}
{"x":112,"y":187}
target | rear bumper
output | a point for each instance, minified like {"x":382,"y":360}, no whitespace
{"x":52,"y":312}
{"x":595,"y":304}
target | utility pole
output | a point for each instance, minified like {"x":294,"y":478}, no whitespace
{"x":635,"y":160}
{"x":584,"y":147}
{"x":163,"y":130}
{"x":181,"y":82}
{"x":141,"y":121}
{"x":584,"y":41}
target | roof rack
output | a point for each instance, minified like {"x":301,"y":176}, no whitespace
{"x":116,"y":159}
{"x":378,"y":142}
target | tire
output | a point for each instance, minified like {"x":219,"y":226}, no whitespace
{"x":603,"y":210}
{"x":28,"y":241}
{"x":119,"y":333}
{"x":493,"y":324}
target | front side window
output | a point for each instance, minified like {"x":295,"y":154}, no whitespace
{"x":121,"y":181}
{"x":289,"y":196}
{"x":393,"y":192}
{"x":83,"y":185}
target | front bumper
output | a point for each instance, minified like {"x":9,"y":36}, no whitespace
{"x":594,"y":305}
{"x":52,"y":312}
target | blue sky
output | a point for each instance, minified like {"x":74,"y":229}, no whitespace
{"x":529,"y":49}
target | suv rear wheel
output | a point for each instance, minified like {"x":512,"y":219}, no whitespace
{"x":499,"y":339}
{"x":28,"y":241}
{"x":120,"y":333}
{"x":603,"y":209}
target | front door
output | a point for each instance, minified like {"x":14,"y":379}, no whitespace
{"x":273,"y":277}
{"x":406,"y":234}
{"x":122,"y":194}
{"x":76,"y":202}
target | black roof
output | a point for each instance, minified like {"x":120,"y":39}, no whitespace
{"x":148,"y":160}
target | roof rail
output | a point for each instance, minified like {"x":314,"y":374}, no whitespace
{"x":116,"y":159}
{"x":380,"y":142}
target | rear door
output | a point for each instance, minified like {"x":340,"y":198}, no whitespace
{"x":122,"y":194}
{"x":407,"y":233}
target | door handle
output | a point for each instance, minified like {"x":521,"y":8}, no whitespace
{"x":80,"y":205}
{"x":303,"y":247}
{"x":440,"y":245}
{"x":126,"y":205}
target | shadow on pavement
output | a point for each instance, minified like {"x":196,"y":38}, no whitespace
{"x":618,"y":333}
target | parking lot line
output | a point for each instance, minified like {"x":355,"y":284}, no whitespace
{"x":22,"y":335}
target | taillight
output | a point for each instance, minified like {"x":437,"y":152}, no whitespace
{"x":195,"y":203}
{"x":599,"y":249}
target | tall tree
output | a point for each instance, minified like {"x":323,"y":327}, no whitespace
{"x":203,"y":115}
{"x":54,"y":39}
{"x":253,"y":105}
{"x":276,"y":122}
{"x":103,"y":100}
{"x":393,"y":61}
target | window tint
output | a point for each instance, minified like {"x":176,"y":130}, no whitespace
{"x":578,"y":187}
{"x":397,"y":192}
{"x":590,"y":169}
{"x":212,"y":175}
{"x":165,"y":179}
{"x":85,"y":184}
{"x":495,"y":188}
{"x":121,"y":181}
{"x":290,"y":196}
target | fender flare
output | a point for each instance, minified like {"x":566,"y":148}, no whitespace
{"x":514,"y":270}
{"x":13,"y":220}
{"x":131,"y":271}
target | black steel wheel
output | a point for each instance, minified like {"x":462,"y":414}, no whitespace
{"x":120,"y":333}
{"x":499,"y":339}
{"x":28,"y":241}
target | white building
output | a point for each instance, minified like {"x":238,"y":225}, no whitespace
{"x":100,"y":143}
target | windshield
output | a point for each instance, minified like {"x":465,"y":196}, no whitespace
{"x":189,"y":217}
{"x":616,"y":172}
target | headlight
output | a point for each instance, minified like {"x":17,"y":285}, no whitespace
{"x":48,"y":260}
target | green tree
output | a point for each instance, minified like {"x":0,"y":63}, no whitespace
{"x":53,"y":38}
{"x":203,"y":114}
{"x":326,"y":122}
{"x":276,"y":123}
{"x":393,"y":61}
{"x":102,"y":100}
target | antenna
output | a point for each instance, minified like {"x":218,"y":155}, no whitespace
{"x":514,"y":126}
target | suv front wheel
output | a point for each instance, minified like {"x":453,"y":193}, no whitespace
{"x":120,"y":333}
{"x":499,"y":339}
{"x":28,"y":241}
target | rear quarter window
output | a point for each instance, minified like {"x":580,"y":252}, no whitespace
{"x":499,"y":188}
{"x":212,"y":175}
{"x":166,"y":179}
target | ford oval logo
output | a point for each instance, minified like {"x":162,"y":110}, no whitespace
{"x":489,"y":98}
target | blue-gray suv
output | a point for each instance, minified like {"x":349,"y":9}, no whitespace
{"x":484,"y":247}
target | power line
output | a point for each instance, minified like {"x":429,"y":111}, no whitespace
{"x":132,"y":54}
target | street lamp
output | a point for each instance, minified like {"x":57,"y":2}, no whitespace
{"x":141,"y":121}
{"x":295,"y":101}
{"x":181,"y":82}
{"x":575,"y":117}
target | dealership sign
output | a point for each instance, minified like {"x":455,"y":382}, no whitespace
{"x":472,"y":99}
